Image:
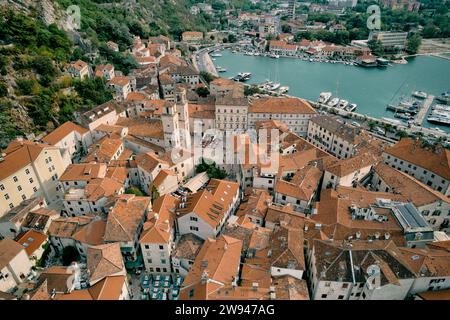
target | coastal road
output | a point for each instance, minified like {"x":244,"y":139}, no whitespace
{"x":203,"y":62}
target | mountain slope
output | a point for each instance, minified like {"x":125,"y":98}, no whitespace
{"x":36,"y":44}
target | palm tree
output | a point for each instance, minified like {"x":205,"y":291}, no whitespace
{"x":401,"y":134}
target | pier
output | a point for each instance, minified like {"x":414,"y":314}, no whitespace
{"x":424,"y":110}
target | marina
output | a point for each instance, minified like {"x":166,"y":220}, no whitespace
{"x":371,"y":89}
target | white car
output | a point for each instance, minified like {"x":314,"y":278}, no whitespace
{"x":356,"y":124}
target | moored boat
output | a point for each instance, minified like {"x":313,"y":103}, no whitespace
{"x":351,"y":107}
{"x":324,"y":97}
{"x":441,"y":107}
{"x":275,"y":86}
{"x":445,"y":97}
{"x":284,"y":89}
{"x":420,"y":94}
{"x":333,"y":102}
{"x":342,"y":104}
{"x":439,"y":120}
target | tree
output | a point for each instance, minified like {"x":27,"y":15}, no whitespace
{"x":208,"y":77}
{"x":401,"y":134}
{"x":251,"y":90}
{"x":376,"y":47}
{"x":3,"y":89}
{"x":286,"y":28}
{"x":69,"y":255}
{"x":211,"y":169}
{"x":413,"y":43}
{"x":155,"y":193}
{"x":232,"y":38}
{"x":303,"y":35}
{"x":202,"y":92}
{"x":134,"y":190}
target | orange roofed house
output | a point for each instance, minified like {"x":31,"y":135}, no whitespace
{"x":429,"y":164}
{"x":105,"y":71}
{"x":294,"y":112}
{"x":282,"y":48}
{"x":122,"y":86}
{"x":92,"y":198}
{"x":205,"y":212}
{"x":157,"y":237}
{"x":79,"y":69}
{"x":14,"y":264}
{"x":71,"y":137}
{"x":124,"y":224}
{"x":30,"y":169}
{"x":215,"y":268}
{"x":339,"y":271}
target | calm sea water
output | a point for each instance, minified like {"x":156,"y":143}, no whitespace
{"x":370,"y":88}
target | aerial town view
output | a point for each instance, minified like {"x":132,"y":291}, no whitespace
{"x":226,"y":150}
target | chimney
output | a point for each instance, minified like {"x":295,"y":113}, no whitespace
{"x":204,"y":277}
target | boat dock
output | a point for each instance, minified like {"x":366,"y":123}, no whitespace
{"x":424,"y":110}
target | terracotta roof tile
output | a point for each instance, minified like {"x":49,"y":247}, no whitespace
{"x":104,"y":260}
{"x":9,"y":249}
{"x":410,"y":150}
{"x":125,"y":218}
{"x":281,"y":105}
{"x":63,"y":131}
{"x":32,"y":240}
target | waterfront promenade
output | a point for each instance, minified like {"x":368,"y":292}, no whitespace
{"x":364,"y":120}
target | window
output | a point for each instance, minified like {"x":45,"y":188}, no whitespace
{"x":436,"y":212}
{"x":27,"y":171}
{"x":6,"y":196}
{"x":340,"y":297}
{"x":15,"y":179}
{"x":163,"y":261}
{"x":193,"y":228}
{"x":191,"y":293}
{"x":193,"y":218}
{"x":19,"y":188}
{"x":146,"y":246}
{"x":2,"y":187}
{"x":364,"y":295}
{"x":34,"y":189}
{"x":283,"y":197}
{"x":31,"y":180}
{"x":24,"y":197}
{"x":324,"y":296}
{"x":161,"y":247}
{"x":344,"y":285}
{"x":149,"y":260}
